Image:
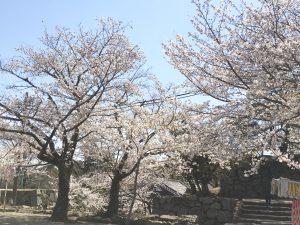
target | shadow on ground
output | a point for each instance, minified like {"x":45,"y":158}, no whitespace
{"x":12,"y":218}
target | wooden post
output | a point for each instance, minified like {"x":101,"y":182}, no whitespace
{"x":4,"y":201}
{"x":15,"y":189}
{"x":15,"y":199}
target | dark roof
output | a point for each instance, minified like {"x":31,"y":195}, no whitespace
{"x":171,"y":187}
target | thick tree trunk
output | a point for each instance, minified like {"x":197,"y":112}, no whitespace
{"x":60,"y":210}
{"x":113,"y":205}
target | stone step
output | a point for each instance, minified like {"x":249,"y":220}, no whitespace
{"x":276,"y":223}
{"x":279,"y":200}
{"x":263,"y":201}
{"x":273,"y":203}
{"x":266,"y":212}
{"x":255,"y":211}
{"x":265,"y":208}
{"x":267,"y":217}
{"x":260,"y":221}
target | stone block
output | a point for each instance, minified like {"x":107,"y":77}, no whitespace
{"x":198,"y":204}
{"x":224,"y":216}
{"x":227,"y":203}
{"x":215,"y":205}
{"x":182,"y":211}
{"x":212,"y":213}
{"x":151,"y":216}
{"x":209,"y":222}
{"x":192,"y":197}
{"x":147,"y":222}
{"x":168,"y":218}
{"x":189,"y":220}
{"x":206,"y":200}
{"x":194,"y":210}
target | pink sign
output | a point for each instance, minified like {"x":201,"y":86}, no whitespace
{"x":296,"y":212}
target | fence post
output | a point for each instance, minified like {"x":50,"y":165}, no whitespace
{"x":4,"y":201}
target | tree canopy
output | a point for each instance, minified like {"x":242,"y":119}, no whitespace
{"x":246,"y":56}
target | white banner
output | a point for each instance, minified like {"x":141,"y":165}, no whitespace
{"x":285,"y":188}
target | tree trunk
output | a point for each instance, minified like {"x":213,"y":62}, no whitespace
{"x":192,"y":185}
{"x":134,"y":193}
{"x":205,"y":190}
{"x":15,"y":186}
{"x":5,"y":194}
{"x":199,"y":188}
{"x":15,"y":189}
{"x":113,"y":205}
{"x":60,"y":210}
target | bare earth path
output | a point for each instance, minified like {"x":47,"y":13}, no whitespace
{"x":12,"y":218}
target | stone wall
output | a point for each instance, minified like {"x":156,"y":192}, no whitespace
{"x":210,"y":211}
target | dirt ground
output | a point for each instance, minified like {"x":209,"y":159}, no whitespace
{"x":12,"y":218}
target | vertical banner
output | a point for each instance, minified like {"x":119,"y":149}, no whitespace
{"x":293,"y":189}
{"x":296,"y":212}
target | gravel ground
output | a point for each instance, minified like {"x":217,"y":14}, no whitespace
{"x":12,"y":218}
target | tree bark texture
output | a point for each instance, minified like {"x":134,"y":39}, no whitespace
{"x":15,"y":189}
{"x":205,"y":190}
{"x":113,"y":205}
{"x":60,"y":210}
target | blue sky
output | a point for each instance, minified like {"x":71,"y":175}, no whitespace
{"x":152,"y":21}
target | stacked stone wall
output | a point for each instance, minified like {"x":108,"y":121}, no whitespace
{"x":210,"y":211}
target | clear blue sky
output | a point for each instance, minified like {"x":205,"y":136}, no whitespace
{"x":22,"y":22}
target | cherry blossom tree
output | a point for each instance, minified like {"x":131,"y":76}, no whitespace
{"x":131,"y":135}
{"x":139,"y":188}
{"x":246,"y":57}
{"x":199,"y":172}
{"x":58,"y":88}
{"x":8,"y":159}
